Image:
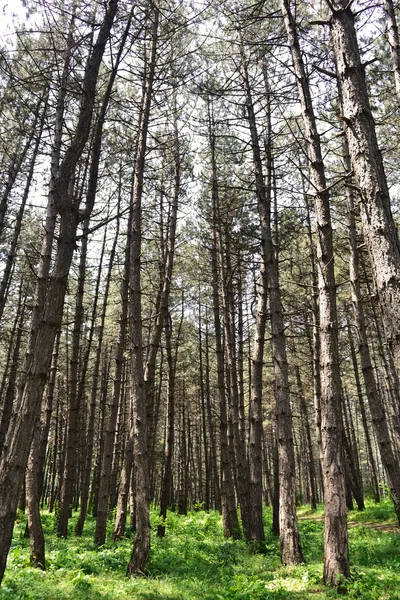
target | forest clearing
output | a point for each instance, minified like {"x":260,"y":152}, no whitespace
{"x":195,"y":562}
{"x":199,"y":299}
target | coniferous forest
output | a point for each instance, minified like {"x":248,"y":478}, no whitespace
{"x":199,"y":300}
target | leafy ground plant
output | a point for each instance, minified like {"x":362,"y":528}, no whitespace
{"x":195,"y":562}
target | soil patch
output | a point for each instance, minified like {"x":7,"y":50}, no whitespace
{"x":385,"y":527}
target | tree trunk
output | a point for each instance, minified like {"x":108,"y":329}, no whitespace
{"x":229,"y":514}
{"x":110,"y":429}
{"x":9,"y":263}
{"x":182,"y":456}
{"x":309,"y":448}
{"x":13,"y":357}
{"x":370,"y":455}
{"x":37,"y":549}
{"x":35,"y":472}
{"x":49,"y":302}
{"x":315,"y":342}
{"x":94,"y":390}
{"x":375,"y":400}
{"x":336,"y":562}
{"x":166,"y":484}
{"x":75,"y":398}
{"x":379,"y":228}
{"x":204,"y":436}
{"x":123,"y":491}
{"x":211,"y":428}
{"x":141,"y":543}
{"x":291,"y":552}
{"x":167,"y":270}
{"x":393,"y":38}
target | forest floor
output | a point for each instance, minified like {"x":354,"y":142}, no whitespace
{"x":195,"y":562}
{"x":391,"y":527}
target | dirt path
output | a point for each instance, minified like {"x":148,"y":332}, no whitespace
{"x":385,"y":527}
{"x":376,"y":526}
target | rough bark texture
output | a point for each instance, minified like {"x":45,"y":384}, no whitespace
{"x":36,"y":536}
{"x":336,"y":562}
{"x":378,"y":225}
{"x":309,"y":449}
{"x":375,"y":401}
{"x":393,"y":37}
{"x":166,"y":484}
{"x":230,"y":520}
{"x":291,"y":552}
{"x":111,"y":421}
{"x":141,"y":543}
{"x":123,"y":491}
{"x":256,"y":527}
{"x":50,"y":301}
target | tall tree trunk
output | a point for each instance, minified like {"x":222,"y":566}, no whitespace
{"x":183,"y":483}
{"x":123,"y":491}
{"x":229,"y":514}
{"x":35,"y":472}
{"x":99,"y":438}
{"x":291,"y":552}
{"x":237,"y":445}
{"x":211,"y":426}
{"x":13,"y":357}
{"x":379,"y":228}
{"x":5,"y":281}
{"x":37,"y":547}
{"x":127,"y":461}
{"x":111,"y":424}
{"x":141,"y":543}
{"x":393,"y":38}
{"x":309,"y":448}
{"x":49,"y":306}
{"x":167,"y":270}
{"x":75,"y":397}
{"x":375,"y":400}
{"x":166,"y":483}
{"x":204,"y":435}
{"x":94,"y":391}
{"x":315,"y":342}
{"x":336,"y":561}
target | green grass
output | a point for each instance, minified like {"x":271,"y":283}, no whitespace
{"x":195,"y":562}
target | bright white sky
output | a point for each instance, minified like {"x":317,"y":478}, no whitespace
{"x":9,"y":9}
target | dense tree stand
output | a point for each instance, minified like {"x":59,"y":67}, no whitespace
{"x":199,"y":290}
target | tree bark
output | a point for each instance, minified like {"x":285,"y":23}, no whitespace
{"x":229,"y":514}
{"x":75,"y":397}
{"x":379,"y":228}
{"x":393,"y":38}
{"x":141,"y":543}
{"x":94,"y":391}
{"x":7,"y":271}
{"x":291,"y":552}
{"x":309,"y":448}
{"x":13,"y":357}
{"x":166,"y":484}
{"x":48,"y":312}
{"x":111,"y":425}
{"x":336,"y":562}
{"x":237,"y":445}
{"x":36,"y":536}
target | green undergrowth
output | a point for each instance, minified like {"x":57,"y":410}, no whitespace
{"x":195,"y":562}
